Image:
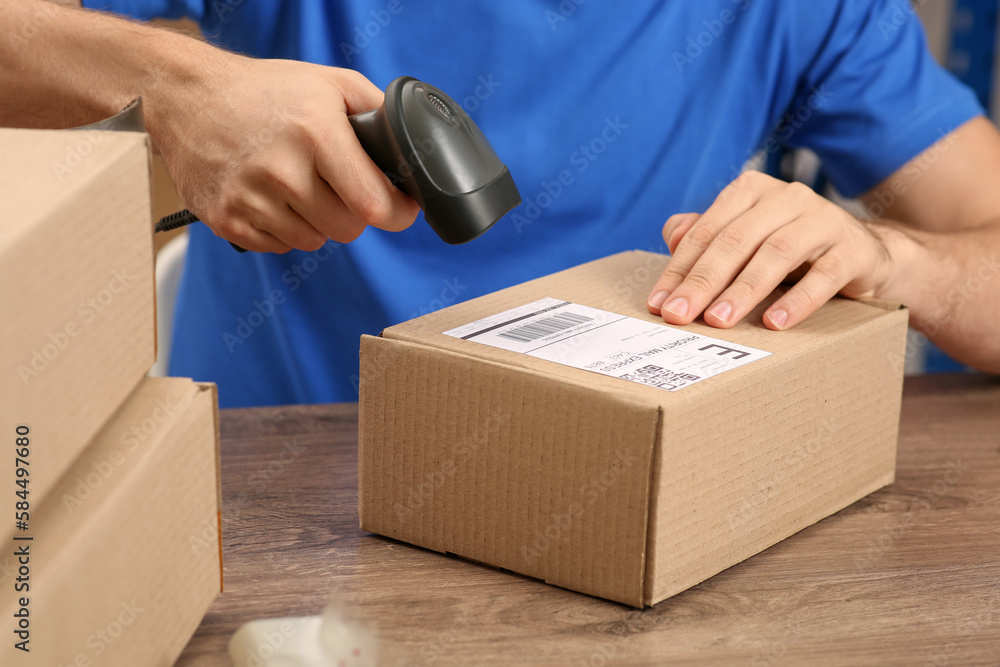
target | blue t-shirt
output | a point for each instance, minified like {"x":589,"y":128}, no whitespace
{"x":611,"y":117}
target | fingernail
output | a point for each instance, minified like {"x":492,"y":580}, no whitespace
{"x":656,"y":299}
{"x":778,"y":318}
{"x":678,"y":307}
{"x":721,"y":311}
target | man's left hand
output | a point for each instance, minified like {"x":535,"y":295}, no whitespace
{"x":758,"y":231}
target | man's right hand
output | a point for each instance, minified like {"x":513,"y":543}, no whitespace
{"x":260,"y":150}
{"x":263,"y":152}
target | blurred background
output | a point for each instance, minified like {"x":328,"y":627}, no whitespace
{"x":962,"y":35}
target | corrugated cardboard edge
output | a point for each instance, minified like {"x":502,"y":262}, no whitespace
{"x":425,"y":524}
{"x":152,"y":251}
{"x":214,"y":389}
{"x":895,"y":317}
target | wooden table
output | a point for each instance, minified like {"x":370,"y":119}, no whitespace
{"x":907,"y":576}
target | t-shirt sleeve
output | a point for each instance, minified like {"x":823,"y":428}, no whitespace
{"x":871,"y":97}
{"x":156,"y":9}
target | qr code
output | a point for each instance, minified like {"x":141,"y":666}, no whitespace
{"x":656,"y":376}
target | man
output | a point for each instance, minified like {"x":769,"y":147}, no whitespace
{"x":612,"y":118}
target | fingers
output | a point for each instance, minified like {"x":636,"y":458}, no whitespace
{"x":760,"y":230}
{"x":789,"y":246}
{"x":324,"y":210}
{"x":371,"y":198}
{"x":693,"y":238}
{"x":824,"y":280}
{"x":676,"y":227}
{"x":261,"y":221}
{"x":702,"y":273}
{"x":284,"y":165}
{"x":249,"y":237}
{"x":359,"y":184}
{"x":360,"y":94}
{"x":674,"y":230}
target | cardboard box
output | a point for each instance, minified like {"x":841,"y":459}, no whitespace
{"x":125,"y":555}
{"x":76,"y":274}
{"x":612,"y":487}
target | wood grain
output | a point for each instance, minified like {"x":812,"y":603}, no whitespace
{"x":908,"y":576}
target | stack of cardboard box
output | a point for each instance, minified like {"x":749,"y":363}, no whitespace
{"x":109,"y":487}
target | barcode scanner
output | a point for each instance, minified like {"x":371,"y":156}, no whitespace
{"x":433,"y":151}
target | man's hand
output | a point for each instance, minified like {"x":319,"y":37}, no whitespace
{"x":758,"y":231}
{"x":935,"y":247}
{"x":263,"y":152}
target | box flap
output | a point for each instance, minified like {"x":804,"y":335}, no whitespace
{"x":213,"y":390}
{"x":620,"y":284}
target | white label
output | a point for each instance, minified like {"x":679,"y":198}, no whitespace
{"x":596,"y":340}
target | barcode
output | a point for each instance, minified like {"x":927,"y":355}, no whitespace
{"x":656,"y":376}
{"x":544,"y":327}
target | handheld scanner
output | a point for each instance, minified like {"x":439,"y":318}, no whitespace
{"x":433,"y":151}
